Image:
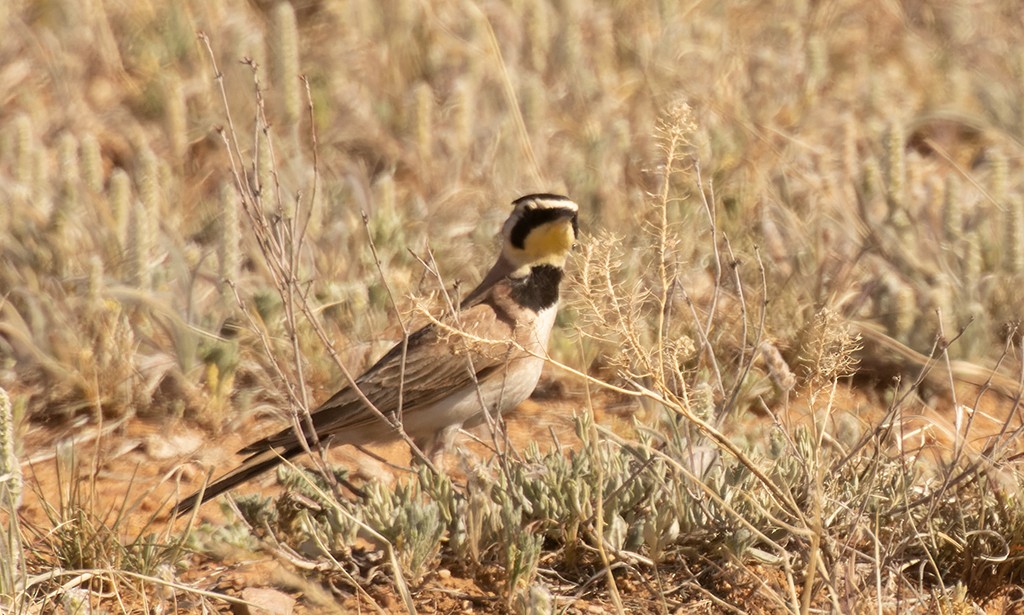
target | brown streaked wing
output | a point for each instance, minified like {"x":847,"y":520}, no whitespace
{"x":434,"y":368}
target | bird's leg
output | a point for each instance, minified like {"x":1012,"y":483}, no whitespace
{"x":435,"y":445}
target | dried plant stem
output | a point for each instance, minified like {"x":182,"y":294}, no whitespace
{"x":704,"y":330}
{"x":673,"y":142}
{"x":613,"y":589}
{"x":405,"y":336}
{"x":281,"y":250}
{"x":744,"y":363}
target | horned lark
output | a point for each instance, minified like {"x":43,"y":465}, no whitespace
{"x":484,"y":359}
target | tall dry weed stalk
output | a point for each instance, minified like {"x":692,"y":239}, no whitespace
{"x":284,"y":53}
{"x":176,"y":117}
{"x":11,"y":482}
{"x":68,"y":169}
{"x":24,"y":153}
{"x":12,"y":573}
{"x":119,"y":196}
{"x":92,"y":163}
{"x":632,"y":316}
{"x":229,"y":246}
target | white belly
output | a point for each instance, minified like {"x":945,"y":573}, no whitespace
{"x":501,"y":391}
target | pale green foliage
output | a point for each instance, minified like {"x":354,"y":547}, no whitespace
{"x":952,"y":210}
{"x":143,"y":221}
{"x":229,"y":248}
{"x":284,"y":49}
{"x":896,"y":173}
{"x":120,"y":198}
{"x":464,"y":116}
{"x":410,"y":520}
{"x":23,"y":150}
{"x":423,"y":121}
{"x":11,"y":486}
{"x":176,"y":117}
{"x":92,"y":163}
{"x":68,"y":171}
{"x":1013,"y":254}
{"x":648,"y":507}
{"x":11,"y":483}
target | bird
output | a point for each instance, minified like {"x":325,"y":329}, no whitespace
{"x":480,"y":361}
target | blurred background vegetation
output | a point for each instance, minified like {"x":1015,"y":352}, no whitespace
{"x":869,"y":149}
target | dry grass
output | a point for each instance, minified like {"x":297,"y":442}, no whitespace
{"x":786,"y":207}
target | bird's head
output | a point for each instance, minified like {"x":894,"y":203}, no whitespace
{"x":541,"y":231}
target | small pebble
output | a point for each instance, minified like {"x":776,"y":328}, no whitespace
{"x":268,"y":602}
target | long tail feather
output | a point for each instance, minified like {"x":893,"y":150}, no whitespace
{"x":255,"y":465}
